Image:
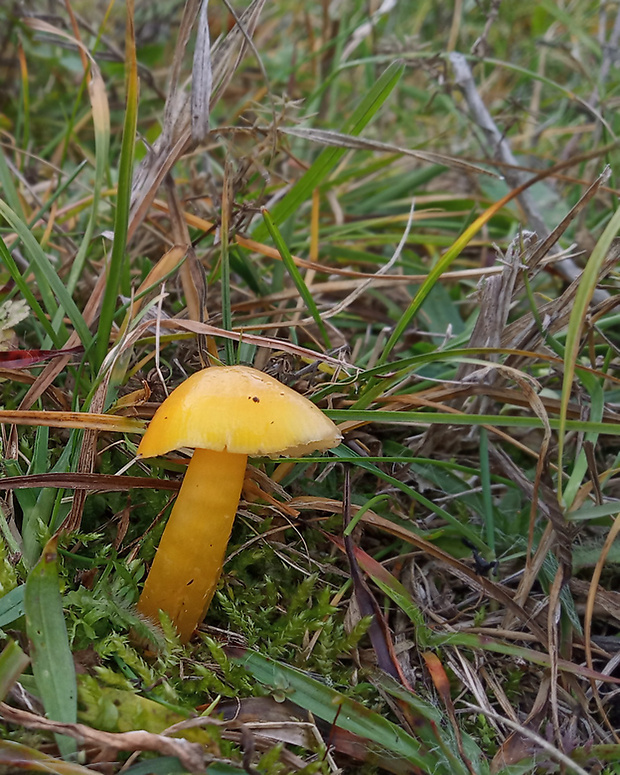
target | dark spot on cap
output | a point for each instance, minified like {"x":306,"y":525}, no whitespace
{"x":256,"y":400}
{"x":191,"y":581}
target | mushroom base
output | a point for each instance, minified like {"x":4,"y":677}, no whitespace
{"x":190,"y":557}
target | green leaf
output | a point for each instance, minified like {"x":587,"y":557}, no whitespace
{"x":52,"y":661}
{"x":123,"y":197}
{"x":587,"y":285}
{"x":447,"y":418}
{"x":597,"y":407}
{"x":164,"y":765}
{"x":119,"y":710}
{"x":8,"y":186}
{"x":13,"y":662}
{"x":295,"y":274}
{"x":336,"y":709}
{"x":469,"y":746}
{"x":12,"y":605}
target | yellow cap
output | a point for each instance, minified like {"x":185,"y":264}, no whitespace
{"x":240,"y":410}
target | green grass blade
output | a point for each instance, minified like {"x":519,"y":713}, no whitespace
{"x":587,"y":285}
{"x":33,"y":516}
{"x":7,"y":185}
{"x":65,"y":186}
{"x":46,"y":275}
{"x":447,"y":418}
{"x":329,"y":157}
{"x":459,"y":527}
{"x":295,"y":274}
{"x":7,"y":259}
{"x":229,"y":347}
{"x":370,"y":504}
{"x":335,"y":708}
{"x":52,"y":661}
{"x":597,"y":407}
{"x":440,"y":267}
{"x":101,"y":126}
{"x":170,"y":765}
{"x":123,"y":197}
{"x":485,"y":482}
{"x":392,"y":588}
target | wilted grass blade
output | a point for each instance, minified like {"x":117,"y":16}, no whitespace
{"x":80,"y":420}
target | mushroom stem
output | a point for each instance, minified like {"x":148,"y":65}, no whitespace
{"x":190,"y":557}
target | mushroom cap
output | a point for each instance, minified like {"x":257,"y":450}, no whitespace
{"x":238,"y":409}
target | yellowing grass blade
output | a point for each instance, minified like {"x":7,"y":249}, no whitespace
{"x":81,"y":420}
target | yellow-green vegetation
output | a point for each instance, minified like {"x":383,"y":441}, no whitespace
{"x":407,"y":214}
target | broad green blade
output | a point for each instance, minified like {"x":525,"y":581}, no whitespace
{"x":335,"y":708}
{"x":52,"y":661}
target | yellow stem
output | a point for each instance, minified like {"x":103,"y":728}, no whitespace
{"x":191,"y":552}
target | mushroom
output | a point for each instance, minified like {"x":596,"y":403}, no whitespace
{"x":225,"y":413}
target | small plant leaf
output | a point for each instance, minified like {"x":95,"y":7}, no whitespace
{"x":52,"y":661}
{"x":12,"y":605}
{"x":13,"y":662}
{"x":335,"y":708}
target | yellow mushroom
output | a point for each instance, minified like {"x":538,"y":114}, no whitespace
{"x":225,"y":413}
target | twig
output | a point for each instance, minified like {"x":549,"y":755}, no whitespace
{"x":191,"y":755}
